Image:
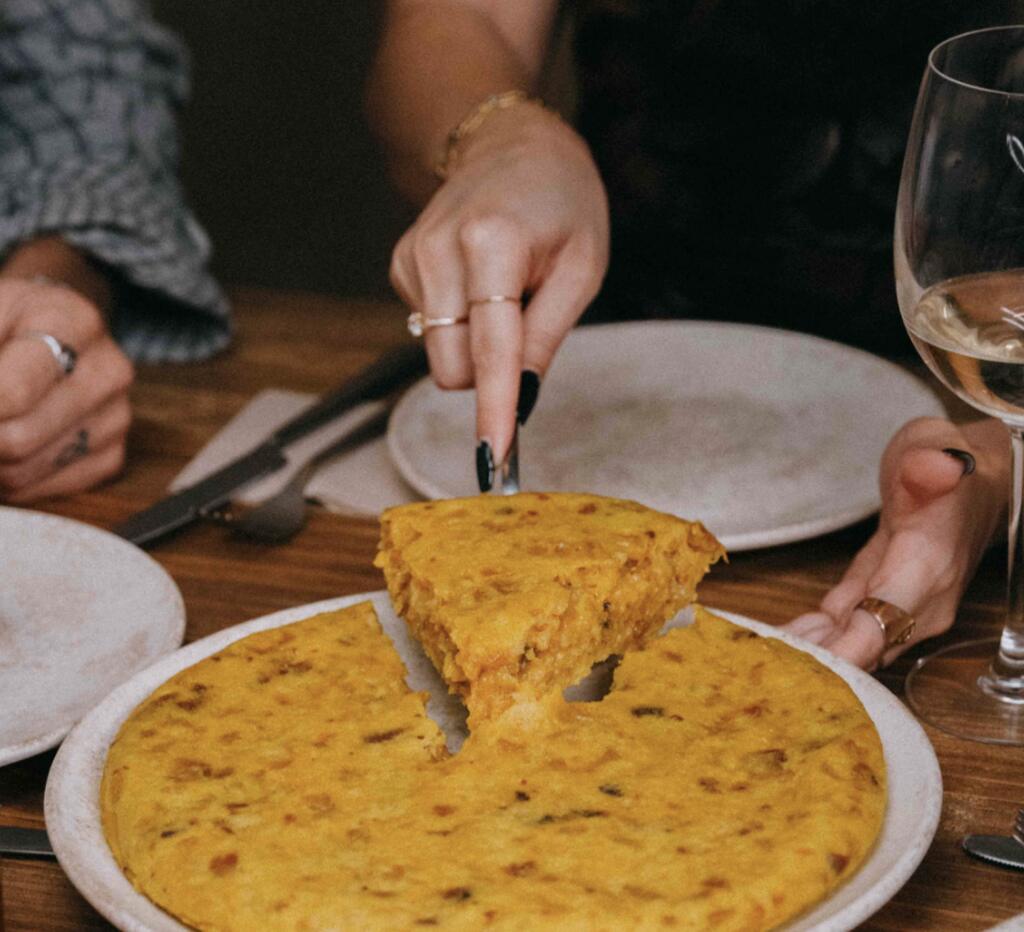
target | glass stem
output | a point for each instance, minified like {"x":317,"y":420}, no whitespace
{"x":1006,"y":678}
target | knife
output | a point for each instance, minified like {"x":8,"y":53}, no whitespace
{"x":999,"y":849}
{"x":392,"y":371}
{"x":29,"y":842}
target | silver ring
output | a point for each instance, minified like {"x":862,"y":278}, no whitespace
{"x":65,"y":355}
{"x":419,"y":324}
{"x":75,"y":450}
{"x":497,"y":299}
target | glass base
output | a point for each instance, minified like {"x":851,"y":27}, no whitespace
{"x":953,"y":689}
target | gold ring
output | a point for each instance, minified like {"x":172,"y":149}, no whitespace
{"x":418,"y":324}
{"x":497,"y":299}
{"x":896,"y":624}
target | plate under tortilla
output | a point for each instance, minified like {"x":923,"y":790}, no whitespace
{"x":72,"y":790}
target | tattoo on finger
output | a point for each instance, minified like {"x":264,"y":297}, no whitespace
{"x":75,"y":450}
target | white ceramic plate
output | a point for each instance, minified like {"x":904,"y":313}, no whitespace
{"x":767,"y":436}
{"x":72,"y":791}
{"x":81,"y":610}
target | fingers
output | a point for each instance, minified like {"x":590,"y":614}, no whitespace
{"x":75,"y":435}
{"x":91,"y":438}
{"x":860,"y":641}
{"x":427,"y":273}
{"x":942,"y":487}
{"x":439,"y":270}
{"x":922,"y":575}
{"x":839,"y":601}
{"x":525,"y":213}
{"x":918,"y":459}
{"x":927,"y":474}
{"x":496,"y":261}
{"x":815,"y":627}
{"x":102,"y":373}
{"x":28,"y":369}
{"x":496,"y":347}
{"x":86,"y":472}
{"x":561,"y":299}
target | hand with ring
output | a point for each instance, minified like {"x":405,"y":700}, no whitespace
{"x":943,"y":501}
{"x":64,"y":383}
{"x":501,"y":263}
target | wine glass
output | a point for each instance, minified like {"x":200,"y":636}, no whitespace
{"x":959,"y":256}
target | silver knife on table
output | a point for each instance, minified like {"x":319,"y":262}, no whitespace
{"x":392,"y":371}
{"x":999,"y":849}
{"x":26,"y":842}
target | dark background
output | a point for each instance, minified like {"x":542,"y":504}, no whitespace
{"x":277,"y":160}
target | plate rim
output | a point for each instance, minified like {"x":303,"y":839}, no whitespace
{"x":174,"y":632}
{"x":71,"y":804}
{"x":737,"y":542}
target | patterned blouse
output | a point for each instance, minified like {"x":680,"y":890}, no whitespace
{"x":88,"y":151}
{"x":752,"y":151}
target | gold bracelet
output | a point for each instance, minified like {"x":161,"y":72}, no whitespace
{"x":473,"y":121}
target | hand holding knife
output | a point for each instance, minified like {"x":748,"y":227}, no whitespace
{"x":394,"y":370}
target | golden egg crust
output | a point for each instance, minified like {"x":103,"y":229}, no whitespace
{"x":293,"y":782}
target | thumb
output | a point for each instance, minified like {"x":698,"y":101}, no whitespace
{"x":927,"y":474}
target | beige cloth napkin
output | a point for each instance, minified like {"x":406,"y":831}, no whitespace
{"x":362,"y":481}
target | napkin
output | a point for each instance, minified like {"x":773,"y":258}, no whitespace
{"x":362,"y":481}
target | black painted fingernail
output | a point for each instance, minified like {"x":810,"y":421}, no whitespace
{"x":965,"y":458}
{"x":529,"y":386}
{"x":484,"y":466}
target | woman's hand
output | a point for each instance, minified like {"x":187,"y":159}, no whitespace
{"x":523,"y":214}
{"x":60,"y":431}
{"x":943,"y":498}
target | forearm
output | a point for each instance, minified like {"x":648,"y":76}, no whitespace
{"x":53,"y":259}
{"x":437,"y":60}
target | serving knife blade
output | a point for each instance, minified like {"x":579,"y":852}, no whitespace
{"x":390,"y":372}
{"x":508,"y":473}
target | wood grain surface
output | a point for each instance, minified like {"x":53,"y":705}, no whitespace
{"x":310,"y":343}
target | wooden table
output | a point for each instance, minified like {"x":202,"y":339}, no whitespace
{"x":308,"y":343}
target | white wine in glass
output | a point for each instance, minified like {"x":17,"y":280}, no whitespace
{"x":959,"y":255}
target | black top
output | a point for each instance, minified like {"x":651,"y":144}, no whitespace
{"x":751,"y":150}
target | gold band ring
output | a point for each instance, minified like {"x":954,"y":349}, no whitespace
{"x":419,"y":324}
{"x":896,"y":624}
{"x":497,"y":299}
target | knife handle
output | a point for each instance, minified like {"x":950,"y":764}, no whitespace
{"x":394,"y":369}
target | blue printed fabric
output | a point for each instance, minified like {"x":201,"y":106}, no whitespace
{"x":89,"y":152}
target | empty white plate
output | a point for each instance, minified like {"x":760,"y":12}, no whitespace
{"x":766,"y":436}
{"x":81,"y":610}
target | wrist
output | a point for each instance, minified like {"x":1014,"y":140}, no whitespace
{"x":53,"y":260}
{"x":492,"y":110}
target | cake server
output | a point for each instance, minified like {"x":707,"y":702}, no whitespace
{"x":508,"y":473}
